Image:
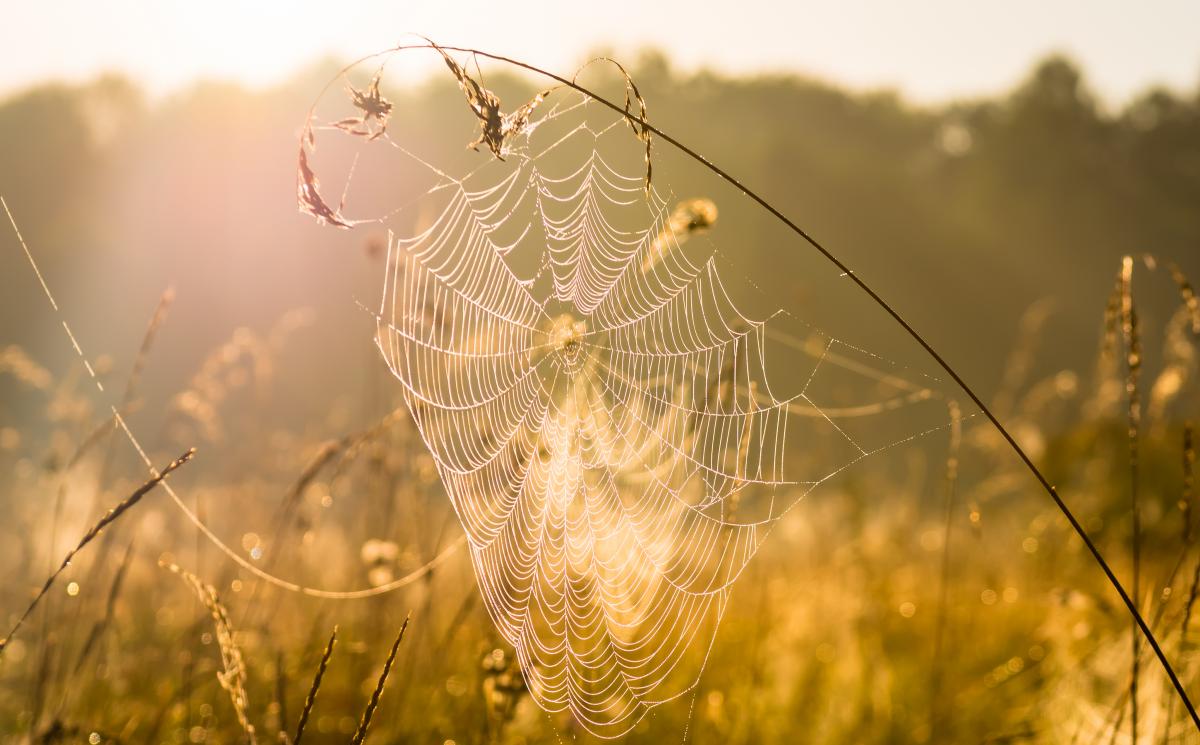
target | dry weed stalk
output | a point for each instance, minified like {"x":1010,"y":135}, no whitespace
{"x":645,"y":130}
{"x":361,"y":733}
{"x":311,"y":698}
{"x":1179,"y":351}
{"x":139,"y":362}
{"x":638,"y":123}
{"x":109,"y":517}
{"x":1187,"y":294}
{"x":308,"y":187}
{"x":110,"y":608}
{"x":1133,"y":366}
{"x":233,"y":677}
{"x":495,"y":127}
{"x":1185,"y":500}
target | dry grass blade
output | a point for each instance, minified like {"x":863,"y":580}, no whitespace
{"x":308,"y":188}
{"x":1180,"y":360}
{"x":1133,"y":366}
{"x":484,"y":104}
{"x":365,"y":722}
{"x":1005,"y":433}
{"x":1188,"y":294}
{"x":280,"y":702}
{"x":233,"y":677}
{"x":89,"y":442}
{"x":110,"y":609}
{"x":110,"y":517}
{"x":1185,"y":501}
{"x":495,"y":127}
{"x":637,"y":122}
{"x":1185,"y":506}
{"x":139,"y":363}
{"x":1112,"y":323}
{"x":311,"y":698}
{"x":325,"y":454}
{"x":1180,"y":363}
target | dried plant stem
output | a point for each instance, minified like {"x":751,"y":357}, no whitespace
{"x":110,"y":424}
{"x":1191,"y":602}
{"x":1185,"y":508}
{"x":110,"y":608}
{"x":110,"y":517}
{"x":281,"y":685}
{"x":884,"y":305}
{"x":854,"y":277}
{"x":1187,"y":295}
{"x":194,"y":516}
{"x":233,"y":677}
{"x":311,"y":698}
{"x":1133,"y":364}
{"x":1189,"y":485}
{"x":365,"y":722}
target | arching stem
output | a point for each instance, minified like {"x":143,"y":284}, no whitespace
{"x":899,"y":319}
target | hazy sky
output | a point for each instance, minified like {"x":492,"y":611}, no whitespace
{"x":929,"y":49}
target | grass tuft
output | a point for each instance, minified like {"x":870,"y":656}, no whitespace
{"x":311,"y":698}
{"x":109,"y":518}
{"x":361,"y":733}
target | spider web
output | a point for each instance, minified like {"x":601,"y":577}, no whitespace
{"x":598,"y":405}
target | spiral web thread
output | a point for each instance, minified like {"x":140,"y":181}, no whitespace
{"x":603,"y":424}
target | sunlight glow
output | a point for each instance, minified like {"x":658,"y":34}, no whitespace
{"x":964,"y":49}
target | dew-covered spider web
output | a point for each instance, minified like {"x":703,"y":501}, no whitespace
{"x":595,"y":380}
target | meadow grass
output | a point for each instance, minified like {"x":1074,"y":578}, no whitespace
{"x":976,"y":616}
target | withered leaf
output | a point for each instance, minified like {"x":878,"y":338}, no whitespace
{"x":308,"y":191}
{"x":484,"y":104}
{"x":495,"y":128}
{"x":639,"y":125}
{"x":374,"y":108}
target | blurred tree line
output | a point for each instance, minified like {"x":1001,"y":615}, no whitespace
{"x":963,"y":214}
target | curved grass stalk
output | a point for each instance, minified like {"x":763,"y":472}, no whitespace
{"x":645,"y":126}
